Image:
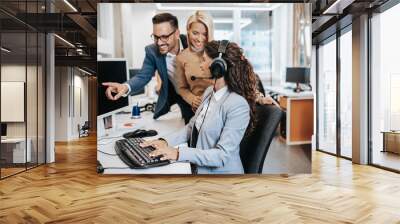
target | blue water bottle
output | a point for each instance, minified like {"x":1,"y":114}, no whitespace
{"x":136,"y":111}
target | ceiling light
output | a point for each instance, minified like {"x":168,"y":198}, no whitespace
{"x":243,"y":22}
{"x":248,"y":4}
{"x":65,"y":41}
{"x":5,"y":50}
{"x":337,"y":7}
{"x":264,"y":7}
{"x":84,"y":71}
{"x":70,"y":5}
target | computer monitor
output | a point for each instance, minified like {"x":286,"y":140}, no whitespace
{"x":110,"y":70}
{"x":3,"y":130}
{"x":298,"y":75}
{"x":132,"y":73}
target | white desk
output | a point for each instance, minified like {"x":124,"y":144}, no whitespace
{"x":289,"y":92}
{"x":18,"y":150}
{"x":164,"y":125}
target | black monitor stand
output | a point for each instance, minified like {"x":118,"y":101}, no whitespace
{"x":298,"y":88}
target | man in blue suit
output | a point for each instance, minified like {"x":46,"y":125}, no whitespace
{"x":160,"y":56}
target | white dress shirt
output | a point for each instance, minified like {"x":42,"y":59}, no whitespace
{"x":170,"y":60}
{"x":214,"y":99}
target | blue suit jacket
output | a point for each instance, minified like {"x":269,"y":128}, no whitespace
{"x":154,"y":61}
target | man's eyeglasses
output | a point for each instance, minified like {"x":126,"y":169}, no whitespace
{"x":163,"y":38}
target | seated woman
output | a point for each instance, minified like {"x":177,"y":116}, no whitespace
{"x":225,"y":114}
{"x":199,"y":31}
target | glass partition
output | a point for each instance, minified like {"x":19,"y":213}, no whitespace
{"x":346,"y":94}
{"x":327,"y":97}
{"x":13,"y":94}
{"x":256,"y":30}
{"x":22,"y":66}
{"x":41,"y":110}
{"x":385,"y":89}
{"x":223,"y":25}
{"x":31,"y":98}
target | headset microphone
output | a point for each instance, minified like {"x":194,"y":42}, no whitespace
{"x":194,"y":77}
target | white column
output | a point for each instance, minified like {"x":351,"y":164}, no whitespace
{"x":360,"y":90}
{"x":314,"y":90}
{"x":50,"y":99}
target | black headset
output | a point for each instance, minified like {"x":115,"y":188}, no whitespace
{"x":218,"y":65}
{"x":218,"y":69}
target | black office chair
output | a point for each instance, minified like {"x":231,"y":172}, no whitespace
{"x":260,"y":86}
{"x":254,"y":147}
{"x":84,"y":130}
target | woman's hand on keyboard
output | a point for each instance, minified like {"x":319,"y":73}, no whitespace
{"x":154,"y":143}
{"x":166,"y":152}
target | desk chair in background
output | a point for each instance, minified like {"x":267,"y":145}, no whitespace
{"x":260,"y":86}
{"x":84,"y":130}
{"x":254,"y":148}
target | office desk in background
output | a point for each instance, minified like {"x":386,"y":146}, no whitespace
{"x":391,"y":141}
{"x":13,"y":150}
{"x":297,"y":126}
{"x":164,"y":125}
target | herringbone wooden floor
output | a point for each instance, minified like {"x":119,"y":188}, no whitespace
{"x":70,"y":191}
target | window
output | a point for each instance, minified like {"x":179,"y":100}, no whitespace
{"x":256,"y":39}
{"x":254,"y":35}
{"x":346,"y":94}
{"x":385,"y":88}
{"x":327,"y":97}
{"x":223,"y":25}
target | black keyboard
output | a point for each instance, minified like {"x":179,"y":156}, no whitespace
{"x":135,"y":156}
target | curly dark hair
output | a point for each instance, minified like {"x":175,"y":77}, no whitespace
{"x":241,"y":78}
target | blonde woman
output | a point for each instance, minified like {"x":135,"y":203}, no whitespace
{"x":199,"y":31}
{"x":190,"y":78}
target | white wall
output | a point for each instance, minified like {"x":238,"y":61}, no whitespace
{"x":67,"y":114}
{"x":282,"y":42}
{"x":61,"y":87}
{"x":80,"y":83}
{"x":15,"y":72}
{"x":133,"y":44}
{"x":33,"y":126}
{"x":105,"y":34}
{"x":136,"y":32}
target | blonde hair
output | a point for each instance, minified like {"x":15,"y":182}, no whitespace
{"x":205,"y":19}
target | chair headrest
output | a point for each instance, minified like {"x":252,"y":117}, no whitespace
{"x":254,"y":147}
